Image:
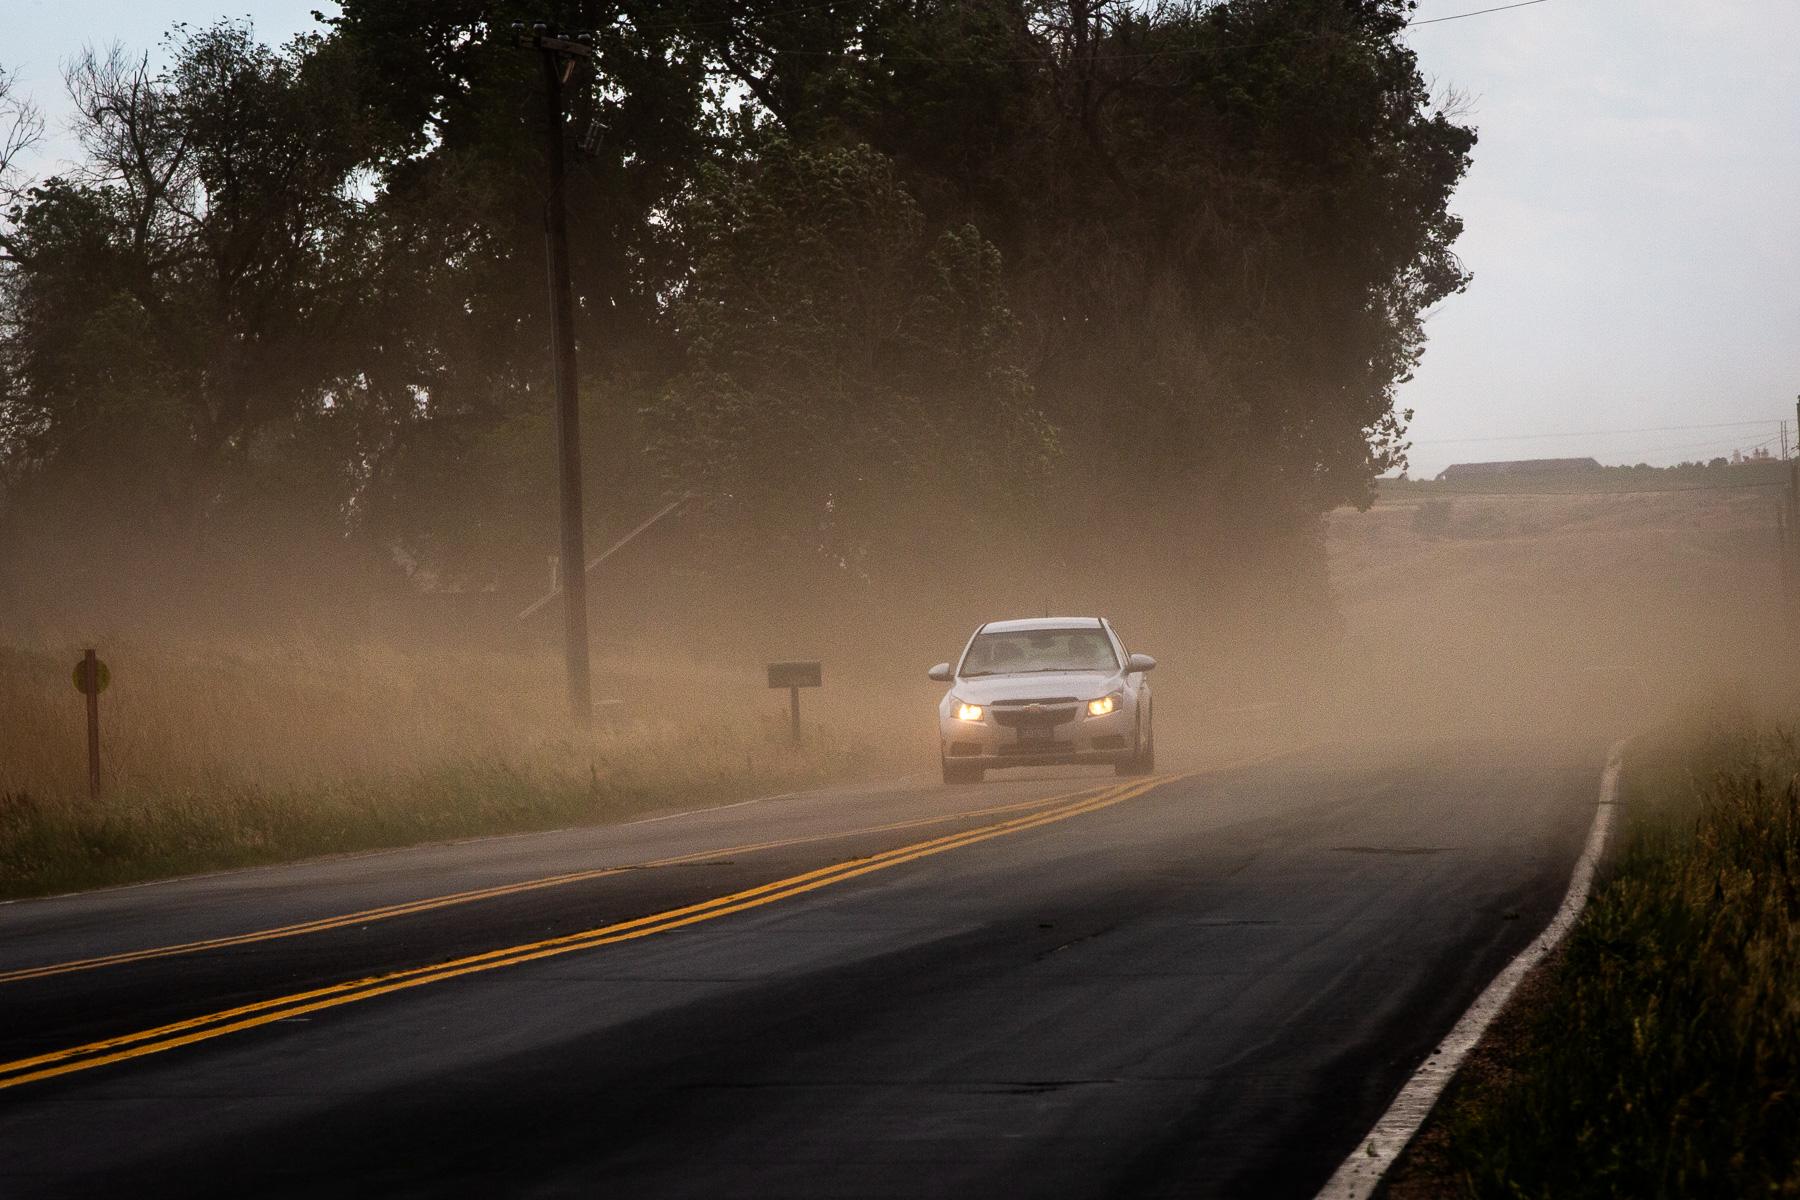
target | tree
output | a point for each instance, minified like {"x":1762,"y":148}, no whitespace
{"x":461,"y":181}
{"x":888,"y":283}
{"x":182,"y":300}
{"x":850,"y":386}
{"x":1226,"y":219}
{"x":1221,"y":225}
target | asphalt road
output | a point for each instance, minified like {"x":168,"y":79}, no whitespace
{"x":1203,"y":984}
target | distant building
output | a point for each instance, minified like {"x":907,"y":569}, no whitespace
{"x":1519,"y":466}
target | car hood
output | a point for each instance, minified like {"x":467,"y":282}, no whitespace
{"x":991,"y":689}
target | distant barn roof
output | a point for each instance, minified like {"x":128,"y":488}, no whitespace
{"x":1520,"y":466}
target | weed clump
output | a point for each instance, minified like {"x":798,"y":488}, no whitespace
{"x":1663,"y":1057}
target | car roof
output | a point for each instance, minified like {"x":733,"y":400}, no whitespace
{"x":1041,"y":623}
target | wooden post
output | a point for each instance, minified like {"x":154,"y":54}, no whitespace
{"x":793,"y":676}
{"x":558,"y":55}
{"x":90,"y":665}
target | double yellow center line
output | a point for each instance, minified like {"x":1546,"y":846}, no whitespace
{"x":425,"y":904}
{"x":281,"y":1008}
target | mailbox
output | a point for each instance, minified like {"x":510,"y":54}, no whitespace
{"x":795,"y":674}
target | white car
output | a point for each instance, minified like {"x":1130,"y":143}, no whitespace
{"x":1045,"y":690}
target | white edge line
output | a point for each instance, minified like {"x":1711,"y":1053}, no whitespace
{"x":1357,"y":1177}
{"x":688,"y":812}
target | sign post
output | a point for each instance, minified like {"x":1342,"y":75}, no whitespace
{"x":793,"y":676}
{"x":91,"y":678}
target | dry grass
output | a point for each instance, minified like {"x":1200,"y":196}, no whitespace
{"x":1660,"y":1056}
{"x":224,"y":757}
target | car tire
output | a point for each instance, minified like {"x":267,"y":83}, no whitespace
{"x":1143,"y":762}
{"x":962,"y":773}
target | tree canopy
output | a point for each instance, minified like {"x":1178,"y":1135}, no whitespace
{"x":881,"y":282}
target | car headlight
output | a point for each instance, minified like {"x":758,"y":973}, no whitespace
{"x":967,"y":712}
{"x":1105,"y":704}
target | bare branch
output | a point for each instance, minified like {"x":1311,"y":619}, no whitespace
{"x":21,"y":128}
{"x":133,"y":138}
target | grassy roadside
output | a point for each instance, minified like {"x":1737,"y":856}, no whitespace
{"x":1658,"y":1054}
{"x":50,"y":846}
{"x":257,"y":756}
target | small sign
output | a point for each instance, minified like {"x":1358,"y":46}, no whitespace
{"x":82,"y":683}
{"x":795,"y":674}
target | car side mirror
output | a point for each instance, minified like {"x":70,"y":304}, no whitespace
{"x":1140,"y":662}
{"x":940,"y":673}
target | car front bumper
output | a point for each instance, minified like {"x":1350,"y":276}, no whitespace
{"x":1101,"y":740}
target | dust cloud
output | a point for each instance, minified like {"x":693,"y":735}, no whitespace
{"x":1585,"y":615}
{"x":1427,"y":616}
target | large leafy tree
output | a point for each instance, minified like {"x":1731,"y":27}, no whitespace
{"x":182,"y":304}
{"x":462,"y":187}
{"x":850,"y":385}
{"x":1220,"y":224}
{"x":865,"y":275}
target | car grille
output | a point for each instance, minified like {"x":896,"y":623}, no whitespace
{"x":1036,"y":749}
{"x":1055,"y":711}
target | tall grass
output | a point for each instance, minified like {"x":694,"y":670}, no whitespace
{"x":1663,"y":1059}
{"x":254,"y":753}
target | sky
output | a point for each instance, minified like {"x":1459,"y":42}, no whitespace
{"x":1632,"y":227}
{"x":1632,"y":216}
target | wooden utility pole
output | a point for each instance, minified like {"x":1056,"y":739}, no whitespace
{"x":559,"y":56}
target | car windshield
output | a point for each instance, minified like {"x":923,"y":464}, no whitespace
{"x":1018,"y":651}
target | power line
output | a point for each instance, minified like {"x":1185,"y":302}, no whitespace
{"x":1713,"y":444}
{"x":1452,"y":492}
{"x":1124,"y":56}
{"x":709,"y":22}
{"x":706,"y":22}
{"x":1480,"y":12}
{"x":1526,"y":437}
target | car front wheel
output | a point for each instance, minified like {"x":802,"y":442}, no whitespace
{"x":1144,"y":761}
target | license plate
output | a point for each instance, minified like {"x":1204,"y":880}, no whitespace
{"x":1037,"y":734}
